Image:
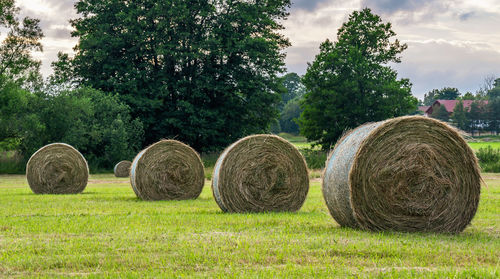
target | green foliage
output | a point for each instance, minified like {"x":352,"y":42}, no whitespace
{"x":446,"y":93}
{"x":349,"y":82}
{"x":489,"y":159}
{"x":294,"y":88}
{"x":203,"y":72}
{"x":291,"y":112}
{"x":476,"y":116}
{"x":315,"y":159}
{"x":494,"y":92}
{"x":441,"y":113}
{"x":63,"y":78}
{"x":99,"y":125}
{"x":459,"y":116}
{"x":468,"y":96}
{"x":18,"y":122}
{"x":23,"y":37}
{"x":11,"y":162}
{"x":493,"y":114}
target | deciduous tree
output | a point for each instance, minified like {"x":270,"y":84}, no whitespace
{"x":349,"y":82}
{"x":204,"y":72}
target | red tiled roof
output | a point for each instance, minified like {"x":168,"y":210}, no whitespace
{"x":423,"y":108}
{"x":450,"y":104}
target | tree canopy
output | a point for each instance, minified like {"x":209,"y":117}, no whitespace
{"x":446,"y":93}
{"x":349,"y":82}
{"x":204,"y":72}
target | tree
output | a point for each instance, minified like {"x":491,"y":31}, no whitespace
{"x":459,"y":116}
{"x":446,"y":93}
{"x":294,"y":88}
{"x":441,"y":113}
{"x":475,"y":116}
{"x":17,"y":122}
{"x":63,"y":78}
{"x":99,"y":125}
{"x":493,"y":111}
{"x":203,"y":72}
{"x":289,"y":115}
{"x":349,"y":82}
{"x":494,"y":92}
{"x":23,"y":37}
{"x":488,"y":84}
{"x":468,"y":96}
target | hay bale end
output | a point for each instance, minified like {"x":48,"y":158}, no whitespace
{"x":405,"y":174}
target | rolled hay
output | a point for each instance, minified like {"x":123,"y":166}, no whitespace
{"x":403,"y":174}
{"x":122,"y":169}
{"x":260,"y":173}
{"x":57,"y":168}
{"x":167,"y":170}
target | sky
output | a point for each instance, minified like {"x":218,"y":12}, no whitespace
{"x":451,"y":43}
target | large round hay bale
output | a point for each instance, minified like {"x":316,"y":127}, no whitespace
{"x":57,"y":168}
{"x":260,"y":173}
{"x":404,"y":174}
{"x":167,"y":170}
{"x":122,"y":169}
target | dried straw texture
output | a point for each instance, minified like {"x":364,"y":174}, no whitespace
{"x":404,"y":174}
{"x":122,"y":169}
{"x":167,"y":170}
{"x":57,"y":168}
{"x":260,"y":173}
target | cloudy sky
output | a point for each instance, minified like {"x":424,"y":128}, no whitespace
{"x":453,"y":43}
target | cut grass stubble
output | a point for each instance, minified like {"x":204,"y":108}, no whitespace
{"x":107,"y":231}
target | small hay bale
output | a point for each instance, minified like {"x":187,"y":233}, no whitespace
{"x":403,"y":174}
{"x":122,"y":169}
{"x":260,"y":173}
{"x":167,"y":170}
{"x":57,"y":168}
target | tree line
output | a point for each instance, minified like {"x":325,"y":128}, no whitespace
{"x":205,"y":72}
{"x":483,"y":113}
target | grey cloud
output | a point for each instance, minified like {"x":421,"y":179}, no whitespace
{"x":411,"y":10}
{"x":438,"y":64}
{"x":466,"y":16}
{"x":392,"y":6}
{"x":308,"y":5}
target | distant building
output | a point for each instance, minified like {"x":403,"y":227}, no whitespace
{"x":450,"y":105}
{"x":423,"y":109}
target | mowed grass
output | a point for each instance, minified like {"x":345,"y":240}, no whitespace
{"x":302,"y":143}
{"x":476,"y":145}
{"x":108,"y":232}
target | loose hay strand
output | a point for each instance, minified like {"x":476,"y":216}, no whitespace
{"x":167,"y":170}
{"x":122,"y":169}
{"x":57,"y":168}
{"x":404,"y":174}
{"x":260,"y":173}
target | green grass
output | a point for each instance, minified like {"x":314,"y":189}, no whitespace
{"x":108,"y":232}
{"x":476,"y":145}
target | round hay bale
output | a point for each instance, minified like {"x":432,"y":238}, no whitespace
{"x":57,"y":168}
{"x":122,"y":169}
{"x":167,"y":170}
{"x":260,"y":173}
{"x":404,"y":174}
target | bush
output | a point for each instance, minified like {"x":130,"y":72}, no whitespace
{"x":489,"y":159}
{"x":315,"y":159}
{"x":11,"y":162}
{"x":98,"y":124}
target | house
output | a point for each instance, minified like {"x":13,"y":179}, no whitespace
{"x":450,"y":105}
{"x":423,"y":109}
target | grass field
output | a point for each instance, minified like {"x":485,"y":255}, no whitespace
{"x":108,"y":232}
{"x":476,"y":145}
{"x":301,"y":142}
